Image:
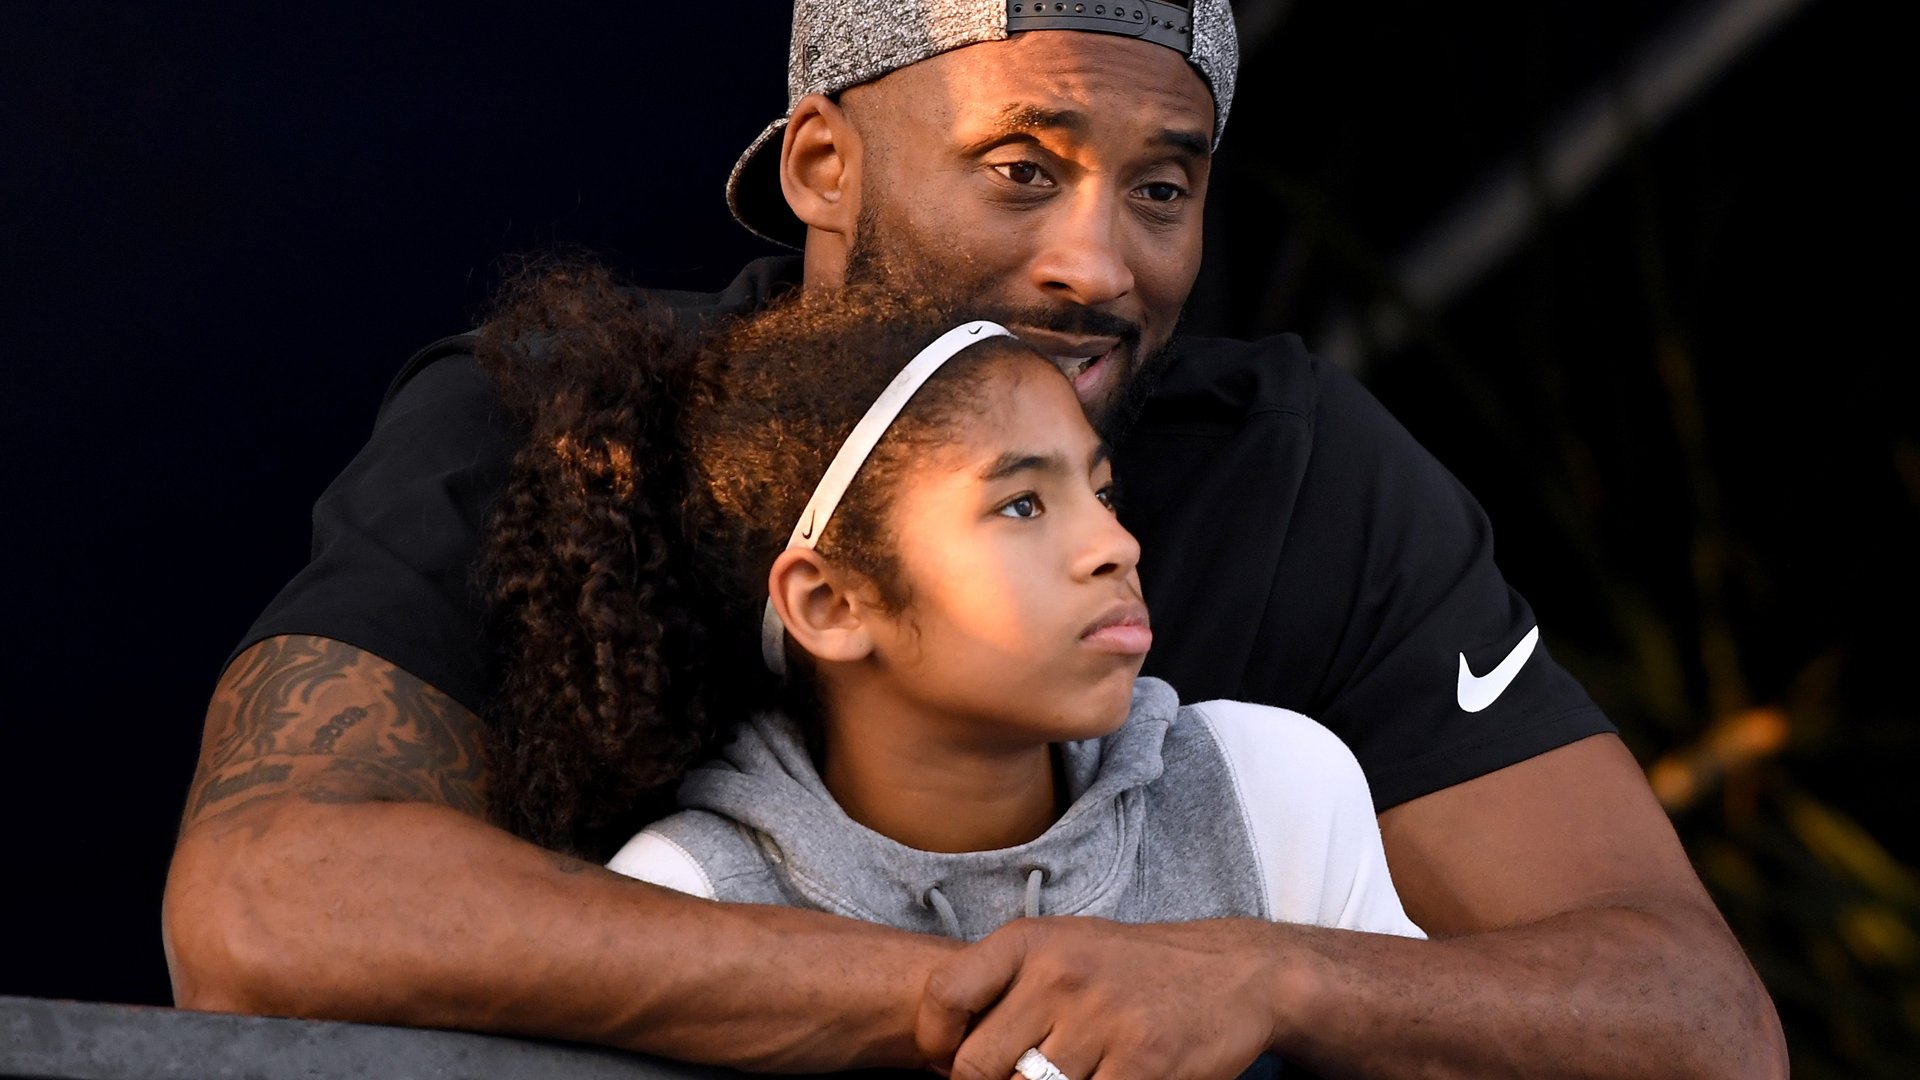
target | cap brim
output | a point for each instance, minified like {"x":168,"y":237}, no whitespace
{"x":754,"y":195}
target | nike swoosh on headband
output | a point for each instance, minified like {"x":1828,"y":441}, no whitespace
{"x":1476,"y":692}
{"x":854,"y":452}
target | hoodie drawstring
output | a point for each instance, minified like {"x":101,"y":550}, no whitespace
{"x":950,"y":922}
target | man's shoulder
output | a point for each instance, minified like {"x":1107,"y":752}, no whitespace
{"x":754,"y":286}
{"x":1214,"y":385}
{"x":757,"y":283}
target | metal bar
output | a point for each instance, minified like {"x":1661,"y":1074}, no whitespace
{"x":1496,"y":216}
{"x":74,"y":1040}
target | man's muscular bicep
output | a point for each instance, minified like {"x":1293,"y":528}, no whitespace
{"x":320,"y":720}
{"x":1572,"y":829}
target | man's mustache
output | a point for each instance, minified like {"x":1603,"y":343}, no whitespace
{"x":1070,"y":319}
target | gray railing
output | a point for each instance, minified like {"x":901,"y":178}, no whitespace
{"x":80,"y":1040}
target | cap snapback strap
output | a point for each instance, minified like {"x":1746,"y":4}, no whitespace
{"x":1157,"y":21}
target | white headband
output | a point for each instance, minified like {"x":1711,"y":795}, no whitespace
{"x":853,"y":454}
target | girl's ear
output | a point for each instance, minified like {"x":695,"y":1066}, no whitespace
{"x":825,"y":609}
{"x":819,"y":161}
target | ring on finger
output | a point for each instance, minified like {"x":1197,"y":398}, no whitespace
{"x":1034,"y":1066}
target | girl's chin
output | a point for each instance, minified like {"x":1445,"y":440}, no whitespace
{"x":1106,"y":712}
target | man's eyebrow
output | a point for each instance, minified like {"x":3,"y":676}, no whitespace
{"x":1191,"y":143}
{"x":1025,"y":118}
{"x":1022,"y":116}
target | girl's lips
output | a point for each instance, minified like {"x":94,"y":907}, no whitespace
{"x":1123,"y":629}
{"x":1131,"y":639}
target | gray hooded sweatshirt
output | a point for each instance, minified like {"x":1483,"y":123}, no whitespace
{"x":1218,"y":809}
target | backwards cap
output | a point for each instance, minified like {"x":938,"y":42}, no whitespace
{"x":842,"y":43}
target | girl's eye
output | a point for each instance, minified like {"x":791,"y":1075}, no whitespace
{"x":1024,"y":173}
{"x":1026,"y":506}
{"x":1105,"y":495}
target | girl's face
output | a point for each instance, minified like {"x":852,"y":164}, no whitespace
{"x":1023,"y":619}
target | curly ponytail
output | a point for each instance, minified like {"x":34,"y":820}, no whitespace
{"x":583,"y":564}
{"x":626,"y":560}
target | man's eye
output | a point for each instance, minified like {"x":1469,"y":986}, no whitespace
{"x":1024,"y":173}
{"x":1026,"y":506}
{"x":1163,"y":192}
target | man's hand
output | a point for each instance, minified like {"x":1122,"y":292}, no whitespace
{"x":1571,"y":938}
{"x":334,"y":863}
{"x":1104,"y":1000}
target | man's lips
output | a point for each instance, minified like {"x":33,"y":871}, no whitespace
{"x":1121,"y":629}
{"x":1084,"y":359}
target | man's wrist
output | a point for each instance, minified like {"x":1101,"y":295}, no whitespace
{"x":1298,"y":980}
{"x":928,"y":953}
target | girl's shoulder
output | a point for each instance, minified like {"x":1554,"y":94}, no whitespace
{"x":1302,"y":807}
{"x":702,"y":854}
{"x":1270,"y":747}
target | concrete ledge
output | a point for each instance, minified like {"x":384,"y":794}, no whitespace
{"x":77,"y":1040}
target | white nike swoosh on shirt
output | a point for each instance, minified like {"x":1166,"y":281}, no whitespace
{"x":1476,"y":692}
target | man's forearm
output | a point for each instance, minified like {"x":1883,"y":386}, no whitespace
{"x":415,"y":914}
{"x":334,"y":863}
{"x":1630,"y":991}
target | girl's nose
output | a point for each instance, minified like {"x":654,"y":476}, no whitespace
{"x":1110,"y":548}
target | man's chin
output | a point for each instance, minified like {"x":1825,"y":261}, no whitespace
{"x":1115,"y":404}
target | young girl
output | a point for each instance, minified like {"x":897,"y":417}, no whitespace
{"x":883,"y":540}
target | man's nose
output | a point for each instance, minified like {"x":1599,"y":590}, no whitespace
{"x":1082,"y":256}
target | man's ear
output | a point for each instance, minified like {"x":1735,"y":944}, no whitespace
{"x":826,"y":610}
{"x":820,"y":165}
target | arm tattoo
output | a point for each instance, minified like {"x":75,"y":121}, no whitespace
{"x":222,"y":788}
{"x":331,"y":731}
{"x":337,"y":725}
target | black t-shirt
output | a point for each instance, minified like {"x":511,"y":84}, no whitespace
{"x":1299,"y":549}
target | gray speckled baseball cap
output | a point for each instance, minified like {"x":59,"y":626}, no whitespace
{"x":837,"y":44}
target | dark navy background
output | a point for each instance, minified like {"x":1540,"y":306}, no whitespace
{"x":224,"y":226}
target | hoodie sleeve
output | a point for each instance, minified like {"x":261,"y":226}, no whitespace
{"x":1309,"y":813}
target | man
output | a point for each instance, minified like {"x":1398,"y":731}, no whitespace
{"x":1300,"y":550}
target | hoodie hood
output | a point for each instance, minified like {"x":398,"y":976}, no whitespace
{"x":766,"y":781}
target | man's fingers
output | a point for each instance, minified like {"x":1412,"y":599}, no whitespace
{"x":962,"y":987}
{"x":992,"y":1049}
{"x":1075,"y":1058}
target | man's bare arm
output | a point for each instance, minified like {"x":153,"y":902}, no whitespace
{"x":334,"y":863}
{"x":1571,"y":939}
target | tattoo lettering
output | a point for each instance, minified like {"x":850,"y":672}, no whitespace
{"x":331,"y":731}
{"x":226,"y":787}
{"x":334,"y":724}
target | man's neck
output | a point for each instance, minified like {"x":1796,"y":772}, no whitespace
{"x":824,"y":261}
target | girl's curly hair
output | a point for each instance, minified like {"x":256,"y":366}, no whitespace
{"x":625,"y":562}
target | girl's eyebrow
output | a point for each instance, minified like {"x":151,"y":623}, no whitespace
{"x":1016,"y":461}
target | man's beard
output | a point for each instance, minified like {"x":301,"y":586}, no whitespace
{"x":889,"y":256}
